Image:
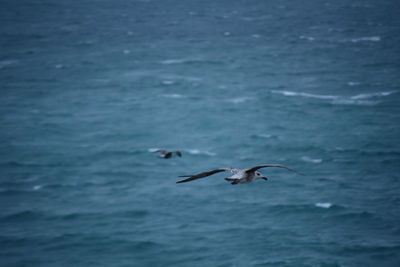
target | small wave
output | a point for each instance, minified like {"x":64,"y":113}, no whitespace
{"x":173,"y":61}
{"x":144,"y":245}
{"x":367,"y":152}
{"x":167,"y":82}
{"x":112,"y":153}
{"x":360,"y":99}
{"x":176,"y":96}
{"x":265,"y":136}
{"x":188,"y":61}
{"x":6,"y":63}
{"x":324,"y":205}
{"x":14,"y":192}
{"x":238,"y":100}
{"x":291,"y":93}
{"x":354,"y":102}
{"x":19,"y":164}
{"x":134,"y":213}
{"x":181,"y":61}
{"x":361,"y":215}
{"x":297,"y":208}
{"x":37,"y":187}
{"x":200,"y":152}
{"x":71,"y":216}
{"x":366,"y":39}
{"x":59,"y":66}
{"x":308,"y":38}
{"x":308,"y":159}
{"x":373,"y":95}
{"x":372,"y":248}
{"x":22,"y":216}
{"x":74,"y":216}
{"x":353,"y":83}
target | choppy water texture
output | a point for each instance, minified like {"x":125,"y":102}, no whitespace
{"x":90,"y":88}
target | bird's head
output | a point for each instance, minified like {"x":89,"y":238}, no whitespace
{"x":260,"y":176}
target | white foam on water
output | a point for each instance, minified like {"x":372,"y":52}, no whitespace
{"x":37,"y":187}
{"x":180,"y":61}
{"x":239,"y":100}
{"x":176,"y":96}
{"x":373,"y":95}
{"x":366,"y":39}
{"x":173,"y":61}
{"x":267,"y":136}
{"x":291,"y":93}
{"x":311,"y":160}
{"x":168,"y":82}
{"x":200,"y":152}
{"x":324,"y":205}
{"x":353,"y":83}
{"x":360,"y":99}
{"x":345,"y":101}
{"x":6,"y":63}
{"x":308,"y":38}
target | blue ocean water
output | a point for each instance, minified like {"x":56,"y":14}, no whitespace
{"x":90,"y":88}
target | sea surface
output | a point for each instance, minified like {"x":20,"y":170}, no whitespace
{"x":91,"y":88}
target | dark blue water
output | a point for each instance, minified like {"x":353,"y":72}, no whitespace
{"x":90,"y":88}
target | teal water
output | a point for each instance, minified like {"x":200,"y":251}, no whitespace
{"x":90,"y":88}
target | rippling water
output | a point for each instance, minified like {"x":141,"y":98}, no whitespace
{"x":90,"y":89}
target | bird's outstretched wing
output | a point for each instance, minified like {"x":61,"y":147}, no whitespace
{"x":201,"y":175}
{"x":271,"y":165}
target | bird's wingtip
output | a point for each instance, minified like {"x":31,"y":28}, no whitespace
{"x":299,"y":173}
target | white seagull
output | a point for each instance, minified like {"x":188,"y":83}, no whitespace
{"x":239,"y":176}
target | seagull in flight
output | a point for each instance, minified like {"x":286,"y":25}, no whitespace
{"x":166,"y":154}
{"x":239,"y":176}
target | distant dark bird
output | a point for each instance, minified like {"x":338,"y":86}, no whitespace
{"x":239,"y":176}
{"x":166,"y":154}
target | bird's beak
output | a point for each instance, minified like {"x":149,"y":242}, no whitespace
{"x":265,"y":178}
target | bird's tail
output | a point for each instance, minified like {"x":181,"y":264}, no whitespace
{"x":185,"y":175}
{"x":232,"y":181}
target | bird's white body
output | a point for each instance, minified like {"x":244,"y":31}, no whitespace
{"x":239,"y":176}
